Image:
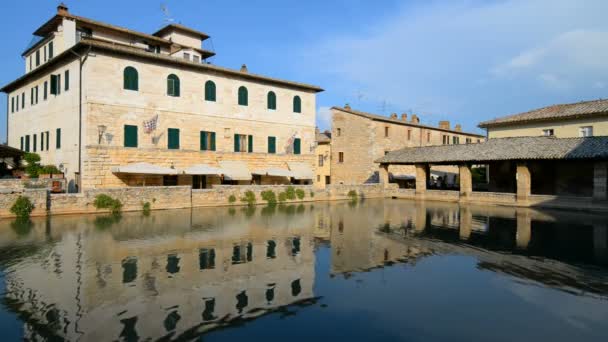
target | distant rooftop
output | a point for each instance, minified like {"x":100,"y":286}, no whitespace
{"x":323,"y":137}
{"x":555,"y":112}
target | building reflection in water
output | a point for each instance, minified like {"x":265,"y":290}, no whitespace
{"x":178,"y":274}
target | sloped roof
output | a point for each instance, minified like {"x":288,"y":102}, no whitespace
{"x":179,"y":27}
{"x":519,"y":148}
{"x":323,"y":137}
{"x":555,"y":112}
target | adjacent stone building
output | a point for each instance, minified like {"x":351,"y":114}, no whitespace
{"x":97,"y":99}
{"x":359,"y":138}
{"x":323,"y":162}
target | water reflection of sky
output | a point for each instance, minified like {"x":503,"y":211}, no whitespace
{"x":393,"y":270}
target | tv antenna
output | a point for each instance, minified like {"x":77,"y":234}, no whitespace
{"x":165,"y":10}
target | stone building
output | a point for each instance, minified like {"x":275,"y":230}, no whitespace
{"x":359,"y":138}
{"x":581,"y":119}
{"x":323,"y":162}
{"x":97,"y":98}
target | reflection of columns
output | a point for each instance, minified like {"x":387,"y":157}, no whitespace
{"x":600,"y":181}
{"x":384,"y":175}
{"x":466,"y":222}
{"x":466,"y":180}
{"x":422,"y":173}
{"x":420,"y":216}
{"x":524,"y":182}
{"x":524,"y":229}
{"x":600,"y":242}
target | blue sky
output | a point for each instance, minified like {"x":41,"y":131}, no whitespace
{"x":464,"y":61}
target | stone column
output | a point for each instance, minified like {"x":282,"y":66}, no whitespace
{"x":524,"y":228}
{"x":422,"y":172}
{"x":466,"y":180}
{"x":600,"y":181}
{"x":384,"y":175}
{"x":466,"y":222}
{"x":524,"y":182}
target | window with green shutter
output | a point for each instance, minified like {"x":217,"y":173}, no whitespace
{"x":34,"y":142}
{"x":37,"y":57}
{"x":42,"y":141}
{"x":272,"y":145}
{"x":46,"y":90}
{"x":23,"y":100}
{"x":297,"y":146}
{"x":66,"y":80}
{"x":12,"y":104}
{"x":58,"y":138}
{"x":237,"y":143}
{"x":173,"y":85}
{"x":54,"y":84}
{"x":210,"y":91}
{"x":130,"y":136}
{"x":130,"y":79}
{"x":250,"y":143}
{"x":27,"y":143}
{"x":48,"y":147}
{"x":207,"y":141}
{"x":173,"y":139}
{"x":243,"y":96}
{"x":297,"y":104}
{"x":51,"y":50}
{"x":21,"y":143}
{"x":272,"y":100}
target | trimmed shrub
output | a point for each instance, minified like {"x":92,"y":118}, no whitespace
{"x":312,"y":194}
{"x":49,"y":169}
{"x":353,"y":195}
{"x":300,"y":193}
{"x":249,"y":198}
{"x":22,"y":207}
{"x":290,"y":192}
{"x":33,"y":167}
{"x":103,"y":201}
{"x":147,"y":207}
{"x":269,"y":196}
{"x":282,"y":197}
{"x":31,"y":158}
{"x":231,"y":199}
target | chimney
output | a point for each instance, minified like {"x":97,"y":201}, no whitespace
{"x":347,"y":106}
{"x":415,"y":119}
{"x":244,"y":68}
{"x":404,"y":117}
{"x":394,"y":116}
{"x":444,"y":124}
{"x":62,"y":9}
{"x":458,"y":128}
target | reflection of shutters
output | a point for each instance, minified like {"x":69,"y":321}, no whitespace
{"x":130,"y":136}
{"x":237,"y":143}
{"x":296,"y":146}
{"x":250,"y":143}
{"x":272,"y":145}
{"x":212,"y":141}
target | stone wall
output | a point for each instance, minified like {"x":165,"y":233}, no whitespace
{"x":220,"y":194}
{"x":37,"y":196}
{"x":34,"y":183}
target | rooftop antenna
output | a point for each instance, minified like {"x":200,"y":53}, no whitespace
{"x":166,"y":13}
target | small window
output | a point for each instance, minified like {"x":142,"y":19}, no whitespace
{"x":321,"y":160}
{"x":243,"y":96}
{"x":207,"y":141}
{"x":22,"y":144}
{"x":272,"y":100}
{"x":12,"y":104}
{"x":48,"y":146}
{"x":66,"y":81}
{"x":27,"y":143}
{"x":36,"y":94}
{"x":173,"y":85}
{"x":196,"y":59}
{"x":338,"y":131}
{"x":32,"y":96}
{"x":206,"y":259}
{"x":469,"y":140}
{"x":37,"y":57}
{"x":186,"y":56}
{"x":45,"y":58}
{"x":409,"y":134}
{"x":386,"y":132}
{"x":272,"y":145}
{"x":42,"y":141}
{"x":240,"y":143}
{"x":34,"y":142}
{"x":340,"y":157}
{"x":586,"y":131}
{"x":130,"y":136}
{"x":50,"y":50}
{"x":130,"y":79}
{"x":297,"y":104}
{"x":46,"y":90}
{"x":173,"y":139}
{"x":446,"y":139}
{"x":23,"y":100}
{"x":210,"y":91}
{"x":428,"y":137}
{"x":455,"y":140}
{"x":548,"y":132}
{"x":297,"y":142}
{"x":58,"y":138}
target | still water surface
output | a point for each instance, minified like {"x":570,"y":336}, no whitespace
{"x":374,"y":270}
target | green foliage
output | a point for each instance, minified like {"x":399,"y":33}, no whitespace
{"x":106,"y":221}
{"x":147,"y":207}
{"x":479,"y":175}
{"x":353,"y":195}
{"x":290,"y":192}
{"x":282,"y":197}
{"x":301,"y":208}
{"x":232,"y":199}
{"x":33,"y":167}
{"x":22,"y":226}
{"x":103,"y":201}
{"x":249,"y":198}
{"x":31,"y":158}
{"x":22,"y":207}
{"x":249,"y":211}
{"x":269,"y":196}
{"x":312,"y":194}
{"x":49,"y":169}
{"x":300,"y":193}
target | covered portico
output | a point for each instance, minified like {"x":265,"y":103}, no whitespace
{"x":524,"y":171}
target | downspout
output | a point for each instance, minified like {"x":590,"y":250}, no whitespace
{"x":82,"y":61}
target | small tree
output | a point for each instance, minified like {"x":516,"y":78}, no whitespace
{"x":290,"y":192}
{"x":231,"y":199}
{"x":33,"y":164}
{"x":249,"y":198}
{"x":269,"y":196}
{"x":103,"y":201}
{"x":22,"y":207}
{"x":300,"y":193}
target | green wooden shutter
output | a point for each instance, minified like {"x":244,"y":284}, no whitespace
{"x":21,"y":143}
{"x":243,"y":98}
{"x":48,"y":147}
{"x":130,"y":136}
{"x":296,"y":146}
{"x":46,"y":89}
{"x":34,"y":142}
{"x":272,"y":145}
{"x":204,"y":146}
{"x":210,"y":91}
{"x":250,"y":143}
{"x":173,"y":139}
{"x":54,"y":84}
{"x":27,"y":143}
{"x":42,"y":141}
{"x":212,"y":141}
{"x":66,"y":82}
{"x":297,"y":104}
{"x":272,"y":100}
{"x":58,"y":139}
{"x":51,"y":50}
{"x":237,"y":143}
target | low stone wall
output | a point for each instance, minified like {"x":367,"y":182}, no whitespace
{"x":442,"y":195}
{"x":492,"y":197}
{"x":38,"y":197}
{"x":219,"y":195}
{"x":340,"y":191}
{"x":13,"y":184}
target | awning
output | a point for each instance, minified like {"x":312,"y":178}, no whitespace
{"x":402,"y":176}
{"x":273,"y":171}
{"x":144,"y":169}
{"x":202,"y":169}
{"x":235,"y":170}
{"x":301,"y":170}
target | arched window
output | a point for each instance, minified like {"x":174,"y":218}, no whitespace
{"x":243,"y":97}
{"x":272,"y":100}
{"x":297,"y":104}
{"x":130,"y":79}
{"x":209,"y":91}
{"x":173,"y":85}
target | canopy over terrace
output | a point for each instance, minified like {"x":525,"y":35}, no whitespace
{"x":202,"y":169}
{"x":301,"y":171}
{"x":553,"y":166}
{"x":274,"y":172}
{"x":235,"y":170}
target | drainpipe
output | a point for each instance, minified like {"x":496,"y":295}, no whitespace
{"x":82,"y":61}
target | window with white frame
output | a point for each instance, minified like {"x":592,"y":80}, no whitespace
{"x":585,"y":131}
{"x":548,"y":132}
